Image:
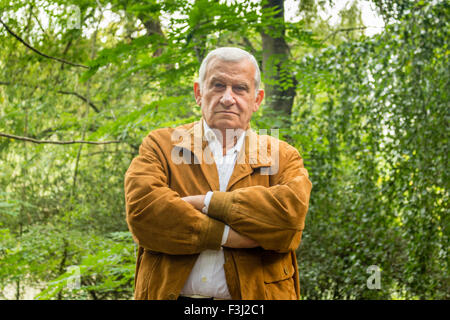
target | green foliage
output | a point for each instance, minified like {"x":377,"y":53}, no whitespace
{"x":107,"y":272}
{"x":377,"y":153}
{"x":370,"y":118}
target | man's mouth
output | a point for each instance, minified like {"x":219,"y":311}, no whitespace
{"x":227,"y":112}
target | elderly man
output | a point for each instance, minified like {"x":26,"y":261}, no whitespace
{"x":216,"y":209}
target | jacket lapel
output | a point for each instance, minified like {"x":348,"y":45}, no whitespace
{"x":253,"y":155}
{"x":198,"y":146}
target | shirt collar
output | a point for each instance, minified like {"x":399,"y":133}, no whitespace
{"x":212,"y":138}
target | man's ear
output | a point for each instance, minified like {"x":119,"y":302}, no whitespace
{"x":259,"y":99}
{"x":197,"y":94}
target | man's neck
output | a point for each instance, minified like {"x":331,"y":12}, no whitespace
{"x":228,"y":137}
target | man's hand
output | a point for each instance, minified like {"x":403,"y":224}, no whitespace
{"x":236,"y":240}
{"x":195,"y":201}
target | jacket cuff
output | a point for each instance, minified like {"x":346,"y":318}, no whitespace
{"x":213,"y":235}
{"x":220,"y":205}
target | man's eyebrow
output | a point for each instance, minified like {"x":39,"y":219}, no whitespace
{"x":221,"y":79}
{"x":242,"y":84}
{"x":217,"y":79}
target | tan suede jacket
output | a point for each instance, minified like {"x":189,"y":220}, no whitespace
{"x":269,"y":208}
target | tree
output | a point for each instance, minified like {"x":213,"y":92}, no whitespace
{"x":280,"y":83}
{"x":368,"y":115}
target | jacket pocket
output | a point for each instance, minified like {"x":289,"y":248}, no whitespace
{"x":278,"y":272}
{"x":149,"y":261}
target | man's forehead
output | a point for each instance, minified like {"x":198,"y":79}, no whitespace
{"x":217,"y":76}
{"x":226,"y":70}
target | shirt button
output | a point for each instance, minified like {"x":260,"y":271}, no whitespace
{"x":204,"y":279}
{"x":171,"y":296}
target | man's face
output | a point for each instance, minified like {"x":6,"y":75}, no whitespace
{"x":228,"y":98}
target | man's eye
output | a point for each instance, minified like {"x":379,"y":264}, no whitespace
{"x":240,"y":88}
{"x":219,"y":85}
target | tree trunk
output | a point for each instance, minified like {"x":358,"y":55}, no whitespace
{"x":153,"y":26}
{"x":279,"y":80}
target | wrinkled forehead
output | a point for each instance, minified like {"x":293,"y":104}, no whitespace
{"x":242,"y":70}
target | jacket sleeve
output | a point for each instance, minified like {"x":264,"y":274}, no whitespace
{"x":157,"y":217}
{"x":272,"y":216}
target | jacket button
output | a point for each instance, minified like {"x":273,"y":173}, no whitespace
{"x":172,"y":296}
{"x":285,"y":270}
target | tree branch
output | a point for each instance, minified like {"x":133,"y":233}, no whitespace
{"x":76,"y":94}
{"x":89,"y":102}
{"x":56,"y":142}
{"x":249,"y":45}
{"x":342,"y":30}
{"x":38,"y":52}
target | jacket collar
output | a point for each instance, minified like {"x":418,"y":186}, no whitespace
{"x":216,"y":145}
{"x":254,"y":154}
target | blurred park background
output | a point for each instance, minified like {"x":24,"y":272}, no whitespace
{"x":359,"y":87}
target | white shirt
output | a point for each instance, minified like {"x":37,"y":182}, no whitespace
{"x":207,"y":278}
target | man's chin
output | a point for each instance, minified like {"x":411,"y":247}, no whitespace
{"x":223,"y":124}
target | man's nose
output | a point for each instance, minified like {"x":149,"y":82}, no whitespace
{"x":227,"y":98}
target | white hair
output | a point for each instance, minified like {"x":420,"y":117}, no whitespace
{"x":230,"y":54}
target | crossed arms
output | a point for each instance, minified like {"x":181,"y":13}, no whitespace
{"x":234,"y":239}
{"x":163,"y":221}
